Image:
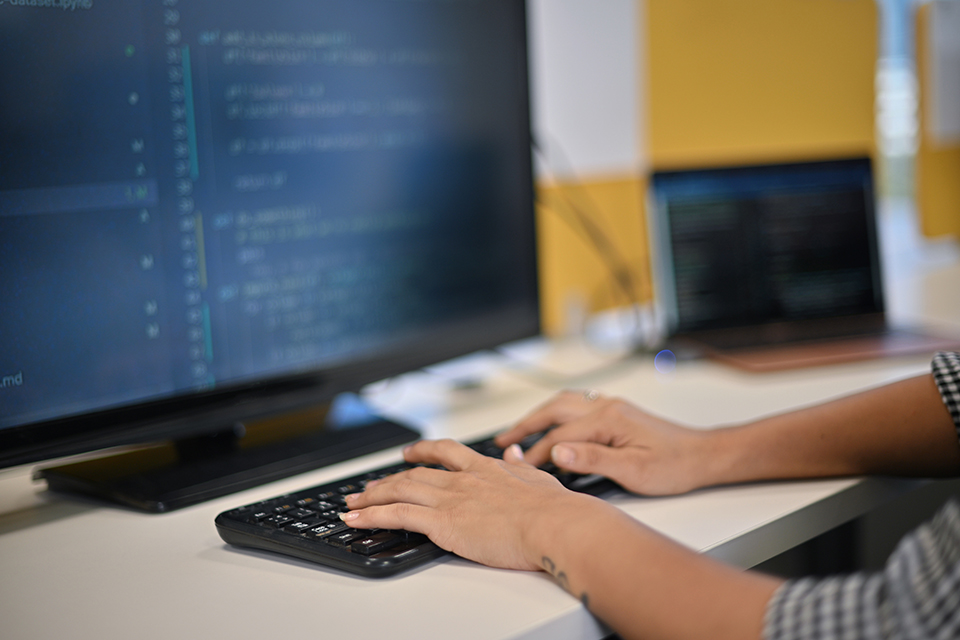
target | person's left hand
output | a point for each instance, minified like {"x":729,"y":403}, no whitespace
{"x":496,"y":512}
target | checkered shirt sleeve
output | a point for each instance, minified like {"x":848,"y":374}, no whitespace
{"x":946,"y":372}
{"x":916,"y":597}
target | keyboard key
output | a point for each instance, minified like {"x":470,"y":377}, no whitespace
{"x":346,"y":538}
{"x":411,"y":538}
{"x":376,"y":543}
{"x":320,"y":531}
{"x":392,"y":470}
{"x":531,"y":440}
{"x":340,"y":502}
{"x":487,"y":448}
{"x":277,"y":522}
{"x":298,"y":527}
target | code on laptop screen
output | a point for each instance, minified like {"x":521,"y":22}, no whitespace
{"x":754,"y":245}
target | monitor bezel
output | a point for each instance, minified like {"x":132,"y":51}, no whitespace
{"x":212,"y":411}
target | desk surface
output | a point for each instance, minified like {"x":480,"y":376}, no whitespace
{"x":76,"y":569}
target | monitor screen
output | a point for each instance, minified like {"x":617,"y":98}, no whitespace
{"x":212,"y":210}
{"x":752,"y":245}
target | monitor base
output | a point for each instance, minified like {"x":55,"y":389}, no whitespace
{"x":177,"y":474}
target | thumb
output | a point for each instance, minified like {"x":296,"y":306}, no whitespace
{"x":589,"y":457}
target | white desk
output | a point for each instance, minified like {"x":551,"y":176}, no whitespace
{"x":74,"y":569}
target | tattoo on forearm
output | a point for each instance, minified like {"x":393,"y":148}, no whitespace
{"x":548,"y":565}
{"x":561,"y":578}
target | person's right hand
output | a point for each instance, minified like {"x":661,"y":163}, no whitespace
{"x":502,"y":513}
{"x":589,"y":433}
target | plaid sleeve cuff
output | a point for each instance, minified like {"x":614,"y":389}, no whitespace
{"x":917,"y":596}
{"x":946,"y":373}
{"x":837,"y":608}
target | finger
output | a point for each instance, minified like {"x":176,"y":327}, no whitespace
{"x":447,"y":453}
{"x":413,"y":485}
{"x":533,"y":423}
{"x":408,"y":517}
{"x":564,"y":407}
{"x":514,"y":455}
{"x":618,"y":464}
{"x":593,"y":427}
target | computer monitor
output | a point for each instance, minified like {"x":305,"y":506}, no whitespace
{"x":215,"y":212}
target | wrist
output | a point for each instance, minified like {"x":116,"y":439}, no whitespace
{"x":725,"y":456}
{"x":545,"y":538}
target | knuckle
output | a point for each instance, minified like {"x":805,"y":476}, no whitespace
{"x":401,"y":512}
{"x":406,"y":485}
{"x":416,"y":473}
{"x":483,"y":463}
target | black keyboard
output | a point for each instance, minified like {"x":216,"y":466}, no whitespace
{"x":306,"y":524}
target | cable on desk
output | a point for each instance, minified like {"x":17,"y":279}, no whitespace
{"x":583,"y":221}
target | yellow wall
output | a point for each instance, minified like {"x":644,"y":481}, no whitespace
{"x":938,"y":165}
{"x":755,"y":80}
{"x":573,"y":274}
{"x":723,"y":81}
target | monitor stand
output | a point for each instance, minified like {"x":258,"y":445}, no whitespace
{"x":179,"y":473}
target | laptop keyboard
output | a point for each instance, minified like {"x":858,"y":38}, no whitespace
{"x":306,"y":524}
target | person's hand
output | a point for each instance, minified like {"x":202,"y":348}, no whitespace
{"x":492,"y":511}
{"x":590,"y":433}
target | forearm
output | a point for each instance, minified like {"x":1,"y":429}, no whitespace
{"x":646,"y":586}
{"x":899,"y":429}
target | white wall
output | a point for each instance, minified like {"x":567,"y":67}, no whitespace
{"x":585,"y":86}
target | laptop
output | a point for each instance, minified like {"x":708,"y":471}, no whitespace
{"x":774,"y":266}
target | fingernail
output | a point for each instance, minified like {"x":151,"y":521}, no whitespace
{"x":563,"y":456}
{"x":351,"y":497}
{"x":515,"y":451}
{"x":349,"y":515}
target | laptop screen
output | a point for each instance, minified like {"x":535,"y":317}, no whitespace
{"x":752,"y":245}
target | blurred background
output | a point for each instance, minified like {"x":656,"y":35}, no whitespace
{"x":625,"y":87}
